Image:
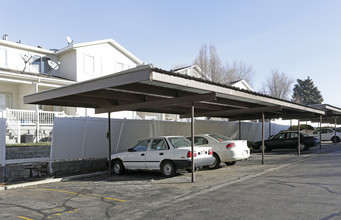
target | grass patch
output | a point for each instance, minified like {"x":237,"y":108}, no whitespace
{"x":30,"y":144}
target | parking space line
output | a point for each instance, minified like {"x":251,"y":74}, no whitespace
{"x":75,"y":193}
{"x":22,"y":217}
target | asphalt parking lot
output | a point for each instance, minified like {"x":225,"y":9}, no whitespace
{"x":132,"y":195}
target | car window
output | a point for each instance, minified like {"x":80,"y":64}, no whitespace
{"x":159,"y":144}
{"x":280,"y":136}
{"x":141,"y":146}
{"x":220,"y":137}
{"x":200,"y":141}
{"x":293,"y":135}
{"x":179,"y":142}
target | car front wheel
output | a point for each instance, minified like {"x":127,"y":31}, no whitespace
{"x":168,"y":169}
{"x":117,"y":167}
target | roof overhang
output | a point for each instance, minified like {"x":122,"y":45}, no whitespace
{"x":149,"y":89}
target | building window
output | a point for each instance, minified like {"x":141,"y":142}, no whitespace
{"x":39,"y":64}
{"x":3,"y":57}
{"x":89,"y":64}
{"x":5,"y":101}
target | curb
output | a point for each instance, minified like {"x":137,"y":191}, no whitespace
{"x":51,"y":180}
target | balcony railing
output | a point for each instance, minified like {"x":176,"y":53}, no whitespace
{"x":17,"y":120}
{"x":27,"y":117}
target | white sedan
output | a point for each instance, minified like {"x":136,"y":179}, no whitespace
{"x":165,"y":154}
{"x":328,"y":134}
{"x":225,"y":150}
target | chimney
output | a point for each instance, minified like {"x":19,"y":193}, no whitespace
{"x":5,"y":37}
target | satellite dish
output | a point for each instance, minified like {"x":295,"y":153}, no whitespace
{"x":69,"y":40}
{"x":26,"y":57}
{"x":53,"y":65}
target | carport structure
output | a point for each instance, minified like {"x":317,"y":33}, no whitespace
{"x":332,"y":116}
{"x":149,"y":89}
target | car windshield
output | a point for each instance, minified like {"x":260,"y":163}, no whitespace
{"x":179,"y":142}
{"x":220,"y":137}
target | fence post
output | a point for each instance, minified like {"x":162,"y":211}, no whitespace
{"x":2,"y":141}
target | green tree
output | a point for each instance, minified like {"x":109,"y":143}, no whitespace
{"x":306,"y":93}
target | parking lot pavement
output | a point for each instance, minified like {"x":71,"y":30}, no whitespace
{"x":130,"y":195}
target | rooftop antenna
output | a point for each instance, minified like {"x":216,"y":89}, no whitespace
{"x":69,"y":40}
{"x":53,"y":65}
{"x":26,"y":57}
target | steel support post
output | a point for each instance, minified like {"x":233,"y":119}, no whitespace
{"x":263,"y":137}
{"x":299,"y":138}
{"x":335,"y":121}
{"x":192,"y":142}
{"x":320,"y":132}
{"x":109,"y":140}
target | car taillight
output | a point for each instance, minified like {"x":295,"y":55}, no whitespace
{"x":230,"y":145}
{"x":210,"y":152}
{"x":189,"y":154}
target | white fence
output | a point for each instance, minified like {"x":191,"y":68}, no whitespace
{"x":2,"y":141}
{"x":82,"y":138}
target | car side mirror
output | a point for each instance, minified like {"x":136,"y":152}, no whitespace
{"x":130,"y":149}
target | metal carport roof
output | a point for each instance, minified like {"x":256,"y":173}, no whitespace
{"x":149,"y":89}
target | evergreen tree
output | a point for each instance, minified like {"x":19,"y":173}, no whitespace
{"x":306,"y":93}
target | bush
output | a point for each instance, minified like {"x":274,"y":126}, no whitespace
{"x":302,"y":127}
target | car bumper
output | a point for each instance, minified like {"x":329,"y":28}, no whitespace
{"x":198,"y":162}
{"x":234,"y":155}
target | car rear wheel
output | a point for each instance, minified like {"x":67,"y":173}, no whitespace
{"x":302,"y":146}
{"x":117,"y":167}
{"x":168,"y":169}
{"x":230,"y":163}
{"x":216,"y":162}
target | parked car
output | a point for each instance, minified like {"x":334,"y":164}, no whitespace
{"x":225,"y":149}
{"x":328,"y":134}
{"x":288,"y":139}
{"x":166,"y":154}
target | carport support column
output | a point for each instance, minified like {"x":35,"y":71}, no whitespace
{"x":335,"y":121}
{"x":109,"y":140}
{"x":192,"y":142}
{"x":320,"y":131}
{"x":299,"y":138}
{"x":263,"y":137}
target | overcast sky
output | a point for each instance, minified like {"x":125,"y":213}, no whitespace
{"x":299,"y":38}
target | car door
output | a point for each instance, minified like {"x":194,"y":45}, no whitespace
{"x":156,"y":152}
{"x":326,"y":134}
{"x":136,"y":157}
{"x":291,"y":140}
{"x":277,"y":141}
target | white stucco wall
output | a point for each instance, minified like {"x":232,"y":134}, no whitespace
{"x":68,"y":67}
{"x":13,"y":90}
{"x":106,"y":59}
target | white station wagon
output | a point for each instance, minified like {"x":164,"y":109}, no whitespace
{"x":166,"y":154}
